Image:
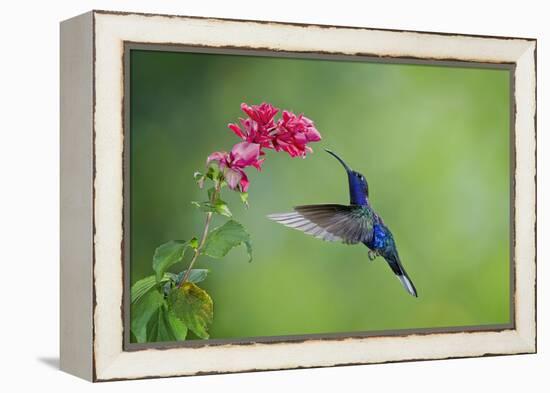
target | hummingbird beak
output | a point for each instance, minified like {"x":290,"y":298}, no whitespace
{"x":348,"y":169}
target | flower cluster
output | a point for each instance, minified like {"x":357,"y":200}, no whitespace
{"x":232,"y":164}
{"x":259,"y":131}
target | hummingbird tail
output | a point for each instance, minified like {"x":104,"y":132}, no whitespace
{"x":402,"y":275}
{"x":407,"y":284}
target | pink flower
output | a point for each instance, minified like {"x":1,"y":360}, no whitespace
{"x":291,"y":133}
{"x":259,"y":125}
{"x":232,"y":164}
{"x":294,"y":133}
{"x":262,"y":114}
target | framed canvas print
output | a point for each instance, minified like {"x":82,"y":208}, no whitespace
{"x":244,"y":195}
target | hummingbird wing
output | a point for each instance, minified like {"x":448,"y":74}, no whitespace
{"x":330,"y":222}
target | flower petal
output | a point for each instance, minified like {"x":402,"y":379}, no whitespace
{"x":233,"y":177}
{"x":263,"y":114}
{"x":237,"y":130}
{"x":258,"y":164}
{"x":294,"y":133}
{"x":244,"y":183}
{"x":244,"y":154}
{"x":219,"y":156}
{"x":313,"y":135}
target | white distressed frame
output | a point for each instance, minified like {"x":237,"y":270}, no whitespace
{"x":105,"y":359}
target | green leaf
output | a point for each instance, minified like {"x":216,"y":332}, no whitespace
{"x":141,"y":287}
{"x":141,"y":312}
{"x":194,"y":243}
{"x":167,"y":255}
{"x":193,"y":306}
{"x":196,"y":275}
{"x":219,"y":207}
{"x":244,"y":198}
{"x":158,"y":328}
{"x":213,"y":172}
{"x":222,"y":239}
{"x":167,"y":287}
{"x":199,"y":178}
{"x":179,"y":330}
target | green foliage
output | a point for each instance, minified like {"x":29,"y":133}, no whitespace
{"x":152,"y":321}
{"x":199,"y":178}
{"x":221,"y":208}
{"x":159,"y":328}
{"x":144,"y":285}
{"x":196,"y":275}
{"x":194,"y":243}
{"x":214,"y":204}
{"x":177,"y":326}
{"x":141,"y":311}
{"x":214,"y":173}
{"x":167,"y":255}
{"x":244,"y":198}
{"x":218,"y":206}
{"x":166,"y":305}
{"x":222,"y":239}
{"x":193,"y":306}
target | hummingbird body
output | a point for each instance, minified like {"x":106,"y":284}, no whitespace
{"x":352,"y":224}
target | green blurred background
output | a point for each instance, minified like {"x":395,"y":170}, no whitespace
{"x":433,"y":142}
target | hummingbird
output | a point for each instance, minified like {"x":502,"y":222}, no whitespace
{"x":355,"y":223}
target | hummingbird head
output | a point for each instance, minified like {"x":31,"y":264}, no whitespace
{"x":358,"y":185}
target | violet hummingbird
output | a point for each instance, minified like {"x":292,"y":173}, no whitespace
{"x":351,"y":224}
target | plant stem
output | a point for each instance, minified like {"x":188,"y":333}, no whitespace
{"x":203,"y":238}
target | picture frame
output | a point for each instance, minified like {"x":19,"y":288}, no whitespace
{"x":94,"y":287}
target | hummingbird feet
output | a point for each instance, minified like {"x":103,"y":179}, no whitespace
{"x":372,"y":255}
